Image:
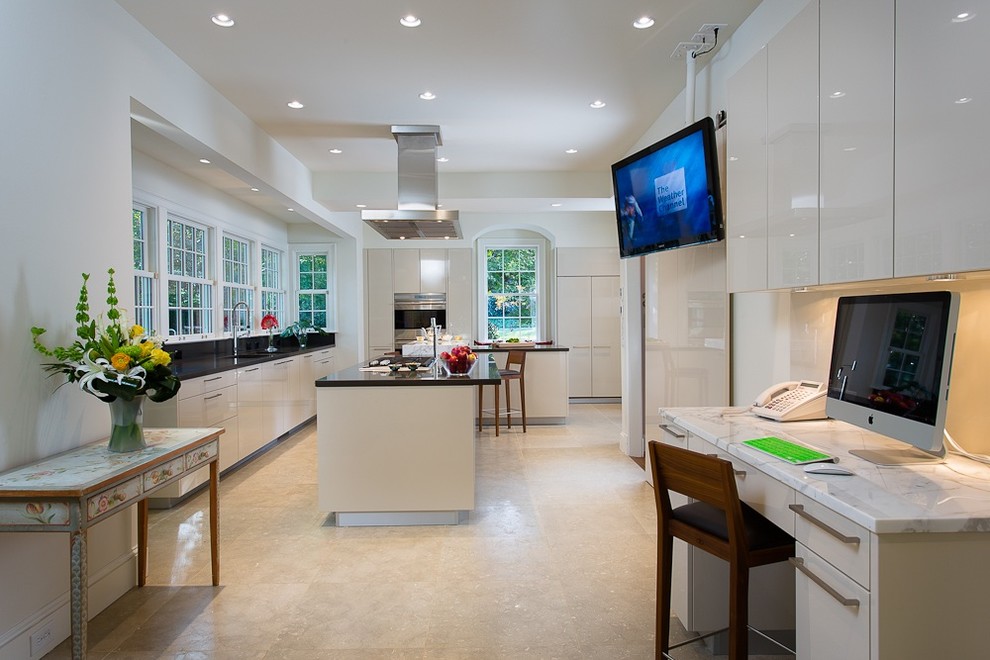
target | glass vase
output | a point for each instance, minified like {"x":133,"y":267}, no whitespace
{"x":126,"y":424}
{"x":303,"y":338}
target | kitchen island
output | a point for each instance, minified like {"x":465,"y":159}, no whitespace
{"x":547,"y":380}
{"x":398,"y":449}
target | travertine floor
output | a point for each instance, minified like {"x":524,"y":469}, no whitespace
{"x":556,"y":561}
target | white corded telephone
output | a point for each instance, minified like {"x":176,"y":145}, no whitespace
{"x":792,"y":401}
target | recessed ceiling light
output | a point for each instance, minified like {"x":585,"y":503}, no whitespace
{"x":571,"y":151}
{"x":849,"y":148}
{"x":597,"y":103}
{"x":964,"y":99}
{"x":733,"y":159}
{"x":742,"y":235}
{"x":556,"y":204}
{"x":446,"y":238}
{"x":643,"y":22}
{"x":361,"y":206}
{"x":291,"y":210}
{"x":443,"y":159}
{"x":254,"y":190}
{"x":410,"y":21}
{"x":204,"y":161}
{"x":402,"y":238}
{"x":222,"y":20}
{"x":295,"y":105}
{"x":963,"y":17}
{"x":427,"y":96}
{"x":335,"y":150}
{"x":836,"y":95}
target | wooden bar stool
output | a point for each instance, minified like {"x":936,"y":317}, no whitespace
{"x":718,"y":523}
{"x":515,"y":369}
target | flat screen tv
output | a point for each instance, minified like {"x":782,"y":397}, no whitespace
{"x":667,"y":195}
{"x":890,"y":368}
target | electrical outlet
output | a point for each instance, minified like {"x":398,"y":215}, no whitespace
{"x":42,"y":639}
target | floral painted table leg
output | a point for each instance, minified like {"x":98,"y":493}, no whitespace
{"x":78,"y":607}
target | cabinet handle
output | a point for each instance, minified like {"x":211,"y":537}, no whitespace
{"x":799,"y":509}
{"x":212,"y":397}
{"x":739,"y":473}
{"x":670,"y":429}
{"x":284,"y":362}
{"x":307,"y":357}
{"x":210,"y":380}
{"x":798,"y":563}
{"x":255,"y":369}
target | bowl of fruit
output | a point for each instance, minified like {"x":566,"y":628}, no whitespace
{"x":459,"y":360}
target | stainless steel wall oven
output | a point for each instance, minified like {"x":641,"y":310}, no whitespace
{"x":413,"y":313}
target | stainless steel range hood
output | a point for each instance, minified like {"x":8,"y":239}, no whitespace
{"x":417,"y":215}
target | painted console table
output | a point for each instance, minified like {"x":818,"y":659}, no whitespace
{"x":71,"y":491}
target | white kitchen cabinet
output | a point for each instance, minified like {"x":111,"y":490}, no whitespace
{"x":856,"y":92}
{"x":250,"y":409}
{"x":379,"y":297}
{"x":792,"y":152}
{"x":419,"y":271}
{"x":746,"y":174}
{"x":295,"y":404}
{"x":941,"y":144}
{"x":588,"y":325}
{"x":209,"y":401}
{"x":460,"y":291}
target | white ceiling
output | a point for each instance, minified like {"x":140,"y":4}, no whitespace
{"x":513,"y":80}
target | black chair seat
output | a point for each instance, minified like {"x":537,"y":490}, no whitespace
{"x":760,"y":532}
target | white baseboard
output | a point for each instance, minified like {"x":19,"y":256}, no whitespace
{"x":107,"y":585}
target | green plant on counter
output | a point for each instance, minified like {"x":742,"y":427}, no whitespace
{"x":300,"y":330}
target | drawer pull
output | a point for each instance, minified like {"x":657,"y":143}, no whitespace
{"x":799,"y":509}
{"x":284,"y":362}
{"x":255,"y":369}
{"x":798,"y":563}
{"x":210,"y":380}
{"x":739,"y":473}
{"x":670,"y":429}
{"x":213,"y":397}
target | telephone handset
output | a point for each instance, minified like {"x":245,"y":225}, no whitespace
{"x":792,"y":401}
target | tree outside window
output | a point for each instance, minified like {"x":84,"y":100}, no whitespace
{"x":512,"y":293}
{"x":313,"y":292}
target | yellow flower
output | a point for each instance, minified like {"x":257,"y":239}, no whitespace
{"x":146,"y":348}
{"x":158,"y":356}
{"x":136,"y":331}
{"x":120,"y":361}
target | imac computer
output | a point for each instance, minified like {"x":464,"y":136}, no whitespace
{"x":890,"y":368}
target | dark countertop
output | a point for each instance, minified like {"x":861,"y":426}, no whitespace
{"x":193,"y":367}
{"x":485,"y":372}
{"x":534,"y":349}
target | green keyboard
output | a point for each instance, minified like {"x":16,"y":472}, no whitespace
{"x":787,"y":451}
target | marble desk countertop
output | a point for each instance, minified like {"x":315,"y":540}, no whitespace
{"x":952,"y":495}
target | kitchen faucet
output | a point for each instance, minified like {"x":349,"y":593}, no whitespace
{"x":234,"y":326}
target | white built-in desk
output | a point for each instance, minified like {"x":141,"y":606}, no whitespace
{"x":892,"y":563}
{"x":71,"y":491}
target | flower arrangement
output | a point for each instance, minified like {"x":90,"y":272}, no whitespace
{"x":111,"y":359}
{"x":270,"y":323}
{"x":459,"y":360}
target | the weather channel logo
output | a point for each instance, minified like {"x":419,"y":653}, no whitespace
{"x":671,"y":193}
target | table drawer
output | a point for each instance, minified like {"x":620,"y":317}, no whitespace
{"x":164,"y":473}
{"x":835,"y":538}
{"x":833,"y":612}
{"x":113,"y":498}
{"x":202,"y":454}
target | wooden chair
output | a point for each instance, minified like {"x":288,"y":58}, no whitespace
{"x":718,"y":523}
{"x":513,"y":359}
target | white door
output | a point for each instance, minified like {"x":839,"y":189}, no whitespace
{"x":574,"y":331}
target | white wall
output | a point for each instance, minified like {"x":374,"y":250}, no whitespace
{"x":65,"y":181}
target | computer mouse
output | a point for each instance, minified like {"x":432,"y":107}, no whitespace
{"x":827,"y":468}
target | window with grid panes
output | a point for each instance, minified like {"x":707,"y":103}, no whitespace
{"x":272,"y":291}
{"x":237,"y":284}
{"x":190,"y":293}
{"x":313,"y":288}
{"x":512,"y":293}
{"x":144,"y":275}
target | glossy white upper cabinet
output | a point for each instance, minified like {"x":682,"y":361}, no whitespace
{"x":419,"y":271}
{"x":746,"y":176}
{"x":378,"y":288}
{"x":941,"y":143}
{"x":405,"y":271}
{"x":856,"y":99}
{"x":460,"y":291}
{"x":792,"y":152}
